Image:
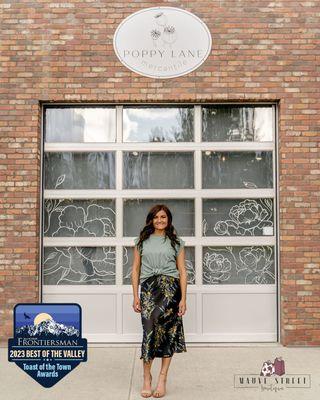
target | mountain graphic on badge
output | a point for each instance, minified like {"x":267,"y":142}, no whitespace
{"x":44,"y":325}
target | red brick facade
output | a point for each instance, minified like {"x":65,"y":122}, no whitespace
{"x":261,"y":51}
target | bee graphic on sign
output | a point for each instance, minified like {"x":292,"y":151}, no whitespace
{"x":163,"y":34}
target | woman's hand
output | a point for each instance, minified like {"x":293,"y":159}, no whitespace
{"x":136,"y":304}
{"x":182,"y":307}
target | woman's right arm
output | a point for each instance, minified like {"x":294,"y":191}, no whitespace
{"x":135,"y":275}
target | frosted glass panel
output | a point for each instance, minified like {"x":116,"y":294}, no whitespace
{"x":79,"y":218}
{"x":158,"y":124}
{"x":150,"y":170}
{"x":135,"y":213}
{"x":79,"y":170}
{"x":79,"y":266}
{"x":238,"y":265}
{"x":228,"y":170}
{"x":75,"y":124}
{"x":128,"y":260}
{"x":237,"y":123}
{"x":235,"y":217}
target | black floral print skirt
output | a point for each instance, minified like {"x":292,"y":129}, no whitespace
{"x":163,"y":332}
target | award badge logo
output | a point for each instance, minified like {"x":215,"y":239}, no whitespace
{"x":47,"y":342}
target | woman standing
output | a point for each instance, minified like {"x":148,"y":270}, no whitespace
{"x":159,"y":265}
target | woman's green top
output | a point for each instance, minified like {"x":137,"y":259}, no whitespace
{"x":158,"y":257}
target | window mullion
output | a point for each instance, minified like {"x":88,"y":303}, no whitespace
{"x":119,"y":200}
{"x":198,"y":197}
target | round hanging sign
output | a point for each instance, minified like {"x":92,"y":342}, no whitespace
{"x":162,"y":42}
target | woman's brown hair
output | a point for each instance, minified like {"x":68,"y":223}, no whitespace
{"x":148,"y":229}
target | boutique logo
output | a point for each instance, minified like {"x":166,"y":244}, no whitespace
{"x":272,"y":377}
{"x":47,"y":341}
{"x":162,"y":42}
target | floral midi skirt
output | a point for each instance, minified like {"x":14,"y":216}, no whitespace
{"x":163,"y":332}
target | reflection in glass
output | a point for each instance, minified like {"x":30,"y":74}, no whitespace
{"x":128,"y":260}
{"x":150,"y":170}
{"x":79,"y":170}
{"x":79,"y":218}
{"x":237,"y":170}
{"x":79,"y":266}
{"x":238,"y":265}
{"x":230,"y":123}
{"x":80,"y":124}
{"x":158,"y":124}
{"x":235,"y":217}
{"x":135,"y":212}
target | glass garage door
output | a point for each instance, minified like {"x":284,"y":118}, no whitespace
{"x":212,"y":165}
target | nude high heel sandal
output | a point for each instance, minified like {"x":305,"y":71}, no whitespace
{"x":147,"y":392}
{"x":157,"y":394}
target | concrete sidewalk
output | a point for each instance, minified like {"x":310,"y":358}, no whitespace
{"x":202,"y":373}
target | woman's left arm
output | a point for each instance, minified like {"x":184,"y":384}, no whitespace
{"x":180,"y":261}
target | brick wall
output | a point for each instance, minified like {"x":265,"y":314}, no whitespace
{"x":262,"y":50}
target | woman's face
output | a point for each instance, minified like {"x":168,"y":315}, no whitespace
{"x":160,"y":221}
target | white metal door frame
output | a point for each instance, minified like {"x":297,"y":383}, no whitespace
{"x":197,"y":290}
